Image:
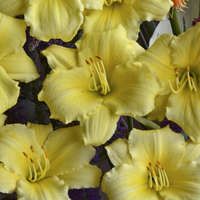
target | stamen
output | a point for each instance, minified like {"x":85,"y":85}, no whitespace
{"x":110,"y":2}
{"x":37,"y":167}
{"x":157,"y":177}
{"x":98,"y":76}
{"x":184,"y":78}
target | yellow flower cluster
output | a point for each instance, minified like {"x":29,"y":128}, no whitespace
{"x":106,"y":76}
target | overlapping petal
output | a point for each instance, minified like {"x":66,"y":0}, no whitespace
{"x":128,"y":13}
{"x":66,"y":150}
{"x":184,"y":109}
{"x":13,"y":7}
{"x":71,"y":98}
{"x":41,"y":132}
{"x":50,"y":188}
{"x":14,"y":140}
{"x":59,"y":57}
{"x":87,"y":176}
{"x":112,"y":46}
{"x":131,"y":92}
{"x":54,"y":19}
{"x":153,"y":146}
{"x":9,"y":91}
{"x":12,"y":56}
{"x":118,"y":152}
{"x":99,"y":126}
{"x":128,"y":182}
{"x":8,"y":180}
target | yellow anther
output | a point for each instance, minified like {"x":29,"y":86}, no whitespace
{"x":37,"y":165}
{"x":157,"y":177}
{"x":184,"y":78}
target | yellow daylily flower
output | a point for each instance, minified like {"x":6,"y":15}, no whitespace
{"x":54,"y":19}
{"x":129,"y":13}
{"x":96,"y":84}
{"x":13,"y":7}
{"x":44,"y":167}
{"x":155,"y":165}
{"x":13,"y":58}
{"x":176,"y":63}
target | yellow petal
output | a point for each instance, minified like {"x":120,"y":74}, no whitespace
{"x":192,"y":153}
{"x":159,"y":111}
{"x":185,"y":48}
{"x":61,"y":57}
{"x":157,"y":59}
{"x":13,"y":7}
{"x":2,"y":119}
{"x":133,"y":90}
{"x":19,"y":66}
{"x":118,"y":152}
{"x":184,"y":109}
{"x":14,"y":140}
{"x":50,"y":188}
{"x":112,"y":46}
{"x":87,"y":176}
{"x":128,"y":182}
{"x":151,"y":9}
{"x":112,"y":16}
{"x":7,"y":180}
{"x":71,"y":87}
{"x":91,"y":4}
{"x":41,"y":131}
{"x":66,"y":150}
{"x":54,"y":19}
{"x":157,"y":145}
{"x":185,"y":183}
{"x":9,"y":91}
{"x":99,"y":126}
{"x":12,"y":34}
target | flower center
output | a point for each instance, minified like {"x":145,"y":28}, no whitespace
{"x":184,"y":78}
{"x":110,"y":2}
{"x":98,"y":77}
{"x":37,"y":165}
{"x":157,"y":177}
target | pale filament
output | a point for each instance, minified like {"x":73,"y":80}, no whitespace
{"x":37,"y":165}
{"x":182,"y":79}
{"x":98,"y":76}
{"x":110,"y":2}
{"x":157,"y":177}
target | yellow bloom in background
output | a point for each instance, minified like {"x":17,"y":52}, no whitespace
{"x":153,"y":165}
{"x":96,"y":84}
{"x":54,"y":18}
{"x":13,"y":7}
{"x":41,"y":164}
{"x":109,"y":14}
{"x":13,"y":58}
{"x":176,"y":63}
{"x":14,"y":63}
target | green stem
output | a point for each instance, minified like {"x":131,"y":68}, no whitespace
{"x":173,"y":18}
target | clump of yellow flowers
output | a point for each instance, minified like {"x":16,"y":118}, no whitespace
{"x":106,"y":75}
